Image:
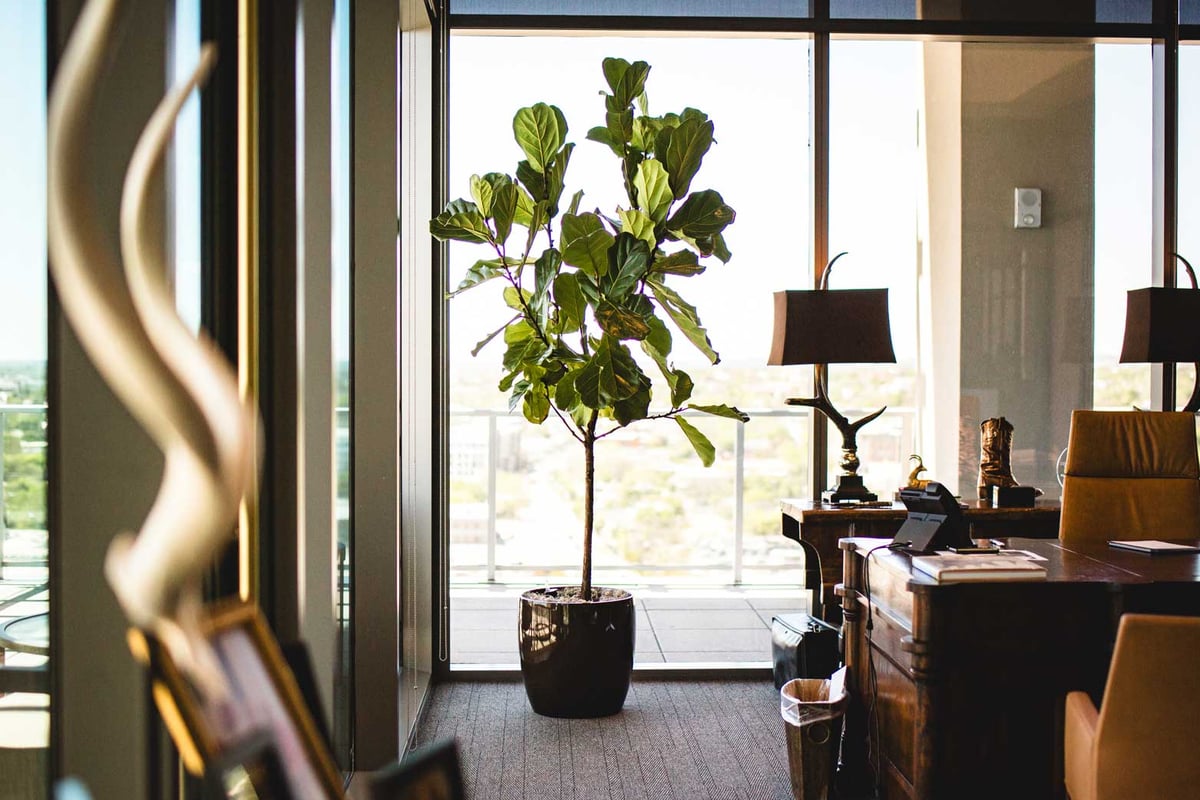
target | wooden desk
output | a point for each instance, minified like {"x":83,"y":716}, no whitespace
{"x":818,"y":528}
{"x":970,"y":678}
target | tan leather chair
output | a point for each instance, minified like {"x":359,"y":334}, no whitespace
{"x":1131,"y":475}
{"x":1145,"y":739}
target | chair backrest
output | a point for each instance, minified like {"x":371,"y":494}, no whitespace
{"x":1131,"y":475}
{"x":1148,"y":732}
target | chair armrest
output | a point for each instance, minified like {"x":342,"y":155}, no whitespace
{"x":1080,"y":746}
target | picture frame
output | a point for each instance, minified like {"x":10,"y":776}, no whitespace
{"x":429,"y":773}
{"x":264,"y":713}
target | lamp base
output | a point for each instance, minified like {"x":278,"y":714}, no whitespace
{"x":850,"y":489}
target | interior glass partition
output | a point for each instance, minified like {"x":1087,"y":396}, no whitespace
{"x":24,"y":545}
{"x":930,"y":142}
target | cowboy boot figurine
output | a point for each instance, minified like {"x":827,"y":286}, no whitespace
{"x":995,"y":452}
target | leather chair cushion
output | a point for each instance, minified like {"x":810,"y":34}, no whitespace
{"x":1133,"y":444}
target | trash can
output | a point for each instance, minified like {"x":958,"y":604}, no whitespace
{"x":813,"y":710}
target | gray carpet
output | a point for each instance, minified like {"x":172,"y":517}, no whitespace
{"x":674,"y":740}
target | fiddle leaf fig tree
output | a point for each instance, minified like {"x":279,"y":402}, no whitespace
{"x":585,"y":287}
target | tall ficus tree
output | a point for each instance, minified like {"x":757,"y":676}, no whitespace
{"x":598,"y":285}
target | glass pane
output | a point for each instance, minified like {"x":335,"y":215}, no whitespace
{"x":638,"y":8}
{"x":185,"y":168}
{"x":993,"y":314}
{"x":1003,"y":11}
{"x":24,"y":573}
{"x":1189,"y":181}
{"x":515,"y":488}
{"x":340,"y":166}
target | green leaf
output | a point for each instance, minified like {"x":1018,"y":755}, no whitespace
{"x":602,"y":135}
{"x":703,"y":214}
{"x":507,"y":381}
{"x":680,"y":382}
{"x":585,"y":243}
{"x":621,"y":323}
{"x":480,"y":272}
{"x":555,"y":175}
{"x":700,"y":443}
{"x":634,"y":407}
{"x":462,"y":222}
{"x":720,"y":249}
{"x":517,"y":331}
{"x":654,"y":192}
{"x":523,"y":213}
{"x":545,"y":268}
{"x":587,"y":384}
{"x":575,"y":200}
{"x":537,"y":405}
{"x":540,"y":131}
{"x":569,"y":299}
{"x":537,"y":218}
{"x":619,"y":373}
{"x":681,"y":387}
{"x":523,"y":353}
{"x":722,"y":410}
{"x":533,"y":180}
{"x":566,"y":396}
{"x":482,"y":192}
{"x":628,"y":260}
{"x":626,"y":80}
{"x":659,"y":337}
{"x":683,"y":262}
{"x":684,"y":315}
{"x":504,"y":208}
{"x":639,"y":225}
{"x":620,"y":126}
{"x":513,"y":300}
{"x":683,"y":150}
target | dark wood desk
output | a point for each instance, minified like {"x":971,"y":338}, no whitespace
{"x":818,"y":528}
{"x":969,"y":678}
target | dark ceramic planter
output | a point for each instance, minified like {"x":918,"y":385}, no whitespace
{"x":576,"y":658}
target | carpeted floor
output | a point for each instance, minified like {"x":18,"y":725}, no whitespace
{"x":674,"y":740}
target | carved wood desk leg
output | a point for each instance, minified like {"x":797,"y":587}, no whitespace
{"x":926,"y":672}
{"x":855,"y":774}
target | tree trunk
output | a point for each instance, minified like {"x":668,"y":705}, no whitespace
{"x":589,"y":503}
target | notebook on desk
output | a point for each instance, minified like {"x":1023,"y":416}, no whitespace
{"x":1153,"y":547}
{"x":952,"y":568}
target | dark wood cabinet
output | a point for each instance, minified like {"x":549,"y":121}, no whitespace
{"x":957,"y":690}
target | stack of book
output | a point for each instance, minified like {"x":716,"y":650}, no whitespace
{"x":959,"y":568}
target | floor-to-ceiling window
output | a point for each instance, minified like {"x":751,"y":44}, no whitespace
{"x":663,"y":519}
{"x":24,"y":575}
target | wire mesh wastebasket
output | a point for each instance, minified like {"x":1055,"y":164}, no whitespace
{"x":813,"y":710}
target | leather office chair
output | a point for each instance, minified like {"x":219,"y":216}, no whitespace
{"x":1143,"y":741}
{"x":1131,"y":475}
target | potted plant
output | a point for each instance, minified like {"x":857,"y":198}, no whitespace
{"x":581,"y":289}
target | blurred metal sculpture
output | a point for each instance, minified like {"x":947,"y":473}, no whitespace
{"x":179,"y":388}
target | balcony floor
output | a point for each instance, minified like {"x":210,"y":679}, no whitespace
{"x":720,"y":626}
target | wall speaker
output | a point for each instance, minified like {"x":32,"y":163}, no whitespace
{"x":1028,"y":205}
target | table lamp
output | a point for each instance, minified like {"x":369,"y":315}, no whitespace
{"x":824,"y":326}
{"x":1162,"y":326}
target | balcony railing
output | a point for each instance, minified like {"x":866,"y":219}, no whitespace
{"x":885,"y":449}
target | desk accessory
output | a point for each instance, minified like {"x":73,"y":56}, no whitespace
{"x":934,"y":520}
{"x":1013,"y":496}
{"x":822,"y":327}
{"x":1153,"y":547}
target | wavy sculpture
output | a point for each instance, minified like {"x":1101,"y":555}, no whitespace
{"x":179,"y":388}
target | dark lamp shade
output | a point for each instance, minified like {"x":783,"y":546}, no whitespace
{"x":1162,"y":325}
{"x":842,"y":326}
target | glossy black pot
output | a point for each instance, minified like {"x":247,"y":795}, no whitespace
{"x":576,"y":658}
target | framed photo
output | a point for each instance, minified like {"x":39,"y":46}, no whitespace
{"x":264,"y":712}
{"x":431,"y":773}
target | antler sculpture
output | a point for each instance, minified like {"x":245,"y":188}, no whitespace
{"x":179,"y":388}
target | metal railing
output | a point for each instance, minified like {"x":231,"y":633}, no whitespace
{"x":902,"y":419}
{"x":7,"y":410}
